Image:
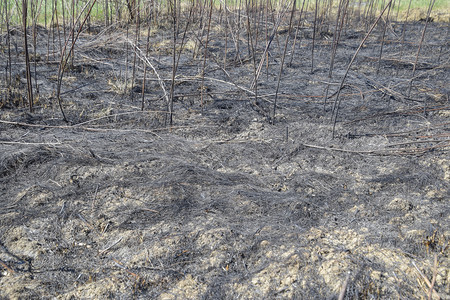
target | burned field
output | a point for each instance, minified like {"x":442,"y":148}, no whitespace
{"x":268,"y":183}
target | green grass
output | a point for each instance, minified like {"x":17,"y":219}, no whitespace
{"x":45,"y":11}
{"x":423,"y":5}
{"x":417,"y":10}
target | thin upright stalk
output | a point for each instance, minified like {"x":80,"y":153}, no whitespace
{"x":57,"y":26}
{"x":183,"y":39}
{"x":27,"y":57}
{"x":382,"y":39}
{"x":314,"y":35}
{"x":337,"y":101}
{"x":50,"y":31}
{"x":253,"y":55}
{"x":72,"y":52}
{"x":106,"y":8}
{"x":403,"y":33}
{"x":268,"y":43}
{"x":8,"y":74}
{"x":340,"y":20}
{"x":63,"y":9}
{"x":34,"y":13}
{"x":430,"y":7}
{"x":282,"y":60}
{"x":337,"y":33}
{"x":45,"y":13}
{"x":145,"y":65}
{"x":238,"y":26}
{"x":226,"y":36}
{"x":126,"y":61}
{"x":205,"y":55}
{"x":296,"y":33}
{"x":266,"y":27}
{"x":65,"y":58}
{"x":174,"y":60}
{"x":138,"y":25}
{"x":249,"y":34}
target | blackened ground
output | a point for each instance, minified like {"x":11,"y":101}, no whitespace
{"x":230,"y":202}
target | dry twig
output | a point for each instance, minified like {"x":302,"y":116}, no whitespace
{"x":425,"y":279}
